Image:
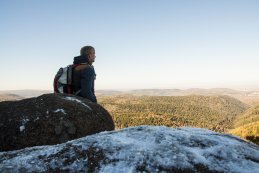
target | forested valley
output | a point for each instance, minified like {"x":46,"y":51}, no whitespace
{"x":212,"y":112}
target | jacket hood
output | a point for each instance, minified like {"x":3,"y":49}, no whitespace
{"x":80,"y":59}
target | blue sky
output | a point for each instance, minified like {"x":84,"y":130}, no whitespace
{"x":139,"y":43}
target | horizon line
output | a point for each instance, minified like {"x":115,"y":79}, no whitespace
{"x":132,"y":89}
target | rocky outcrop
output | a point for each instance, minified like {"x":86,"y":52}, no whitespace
{"x":140,"y":149}
{"x":49,"y":119}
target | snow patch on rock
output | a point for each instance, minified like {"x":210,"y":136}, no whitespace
{"x":79,"y":101}
{"x":22,"y":128}
{"x":60,"y":110}
{"x":24,"y":121}
{"x":140,"y":149}
{"x":36,"y":119}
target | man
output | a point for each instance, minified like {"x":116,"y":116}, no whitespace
{"x":84,"y":74}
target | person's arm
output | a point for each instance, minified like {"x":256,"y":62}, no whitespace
{"x":93,"y":91}
{"x":87,"y":82}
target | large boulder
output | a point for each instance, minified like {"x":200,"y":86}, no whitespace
{"x":49,"y":119}
{"x":140,"y":149}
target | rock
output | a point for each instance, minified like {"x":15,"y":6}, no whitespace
{"x":140,"y":149}
{"x":50,"y":119}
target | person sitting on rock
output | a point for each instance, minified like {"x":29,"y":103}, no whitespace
{"x":84,"y":74}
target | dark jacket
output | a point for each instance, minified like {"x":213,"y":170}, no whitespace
{"x":83,"y":78}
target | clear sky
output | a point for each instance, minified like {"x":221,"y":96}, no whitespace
{"x":139,"y":43}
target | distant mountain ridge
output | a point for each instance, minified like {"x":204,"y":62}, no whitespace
{"x":179,"y":92}
{"x":249,"y":97}
{"x":9,"y":97}
{"x":153,"y":92}
{"x":26,"y":93}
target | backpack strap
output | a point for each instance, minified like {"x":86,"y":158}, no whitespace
{"x":76,"y":93}
{"x":76,"y":65}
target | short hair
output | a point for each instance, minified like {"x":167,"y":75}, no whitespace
{"x":86,"y":50}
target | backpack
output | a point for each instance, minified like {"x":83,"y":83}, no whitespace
{"x":63,"y":81}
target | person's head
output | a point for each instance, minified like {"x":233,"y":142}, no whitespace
{"x":89,"y":53}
